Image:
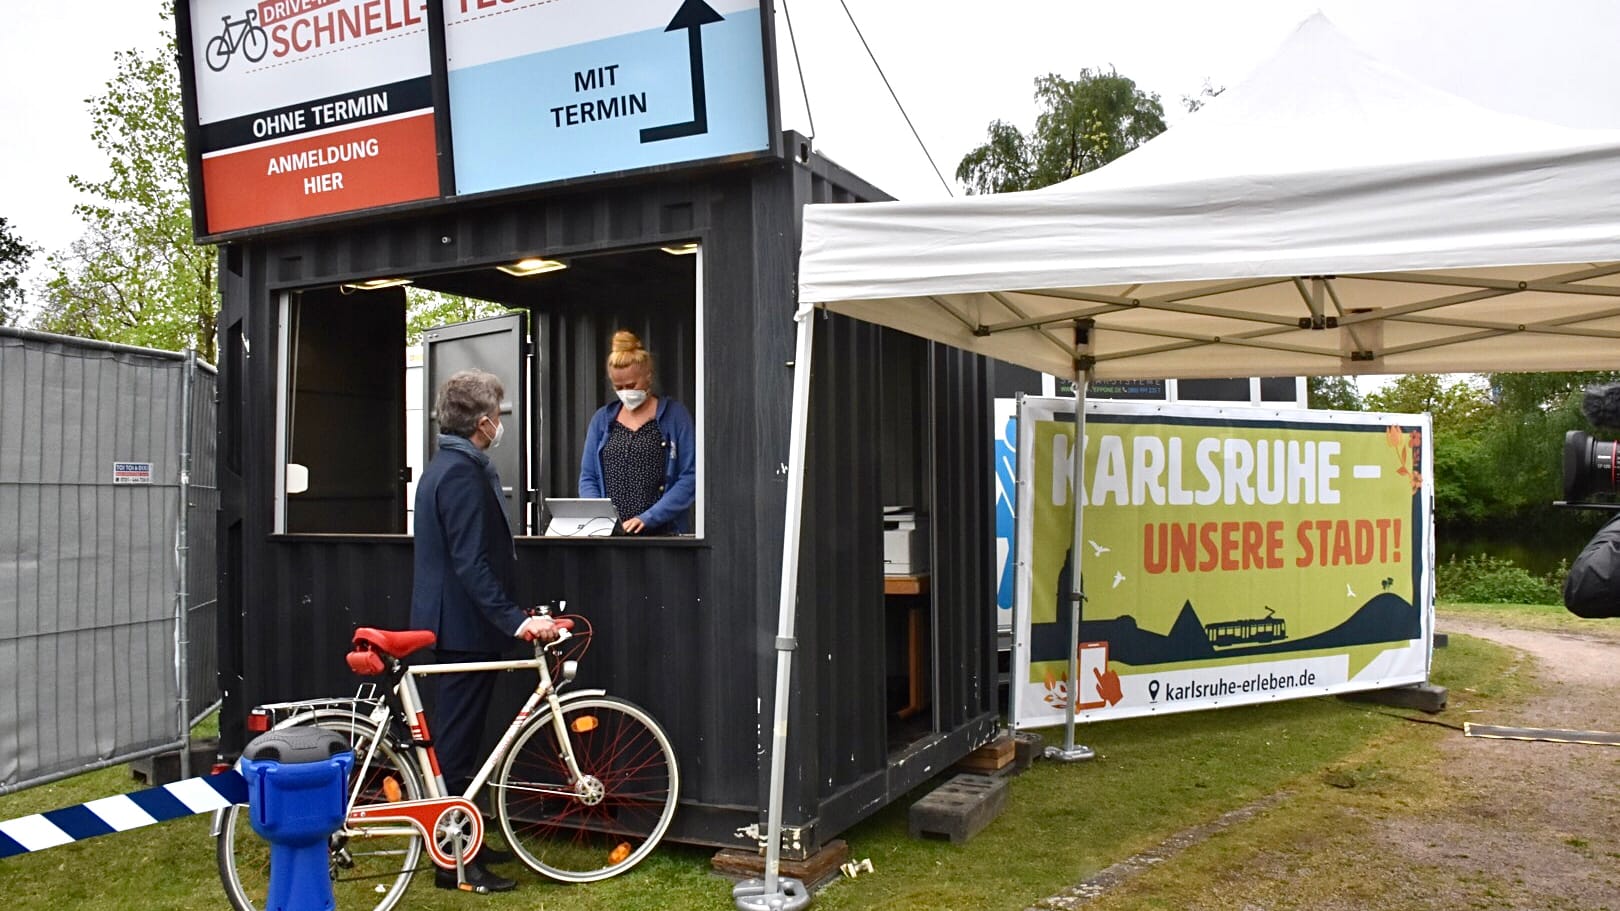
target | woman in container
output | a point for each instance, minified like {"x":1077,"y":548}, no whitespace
{"x":640,"y":451}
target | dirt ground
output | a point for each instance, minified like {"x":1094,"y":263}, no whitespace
{"x":1511,"y":825}
{"x":1533,"y":824}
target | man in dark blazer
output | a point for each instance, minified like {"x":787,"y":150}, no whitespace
{"x":466,"y":570}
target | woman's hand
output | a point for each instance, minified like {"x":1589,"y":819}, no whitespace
{"x":634,"y":525}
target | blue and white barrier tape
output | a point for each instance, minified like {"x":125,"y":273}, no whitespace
{"x":121,"y":813}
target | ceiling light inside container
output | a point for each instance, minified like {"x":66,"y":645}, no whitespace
{"x":376,"y":284}
{"x":533,"y":266}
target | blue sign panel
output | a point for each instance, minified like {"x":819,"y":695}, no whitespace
{"x":541,"y":92}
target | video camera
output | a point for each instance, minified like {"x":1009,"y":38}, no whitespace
{"x":1592,"y":481}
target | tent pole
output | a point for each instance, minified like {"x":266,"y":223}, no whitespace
{"x":1070,"y":751}
{"x":777,"y":893}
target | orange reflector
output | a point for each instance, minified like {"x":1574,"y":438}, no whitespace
{"x":583,"y":724}
{"x":618,"y":854}
{"x":391,"y":789}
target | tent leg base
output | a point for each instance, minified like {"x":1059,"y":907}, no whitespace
{"x":1076,"y":753}
{"x":750,"y":895}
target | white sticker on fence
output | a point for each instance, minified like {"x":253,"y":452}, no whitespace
{"x":132,"y":472}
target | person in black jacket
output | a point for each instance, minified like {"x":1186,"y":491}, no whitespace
{"x":1592,"y":588}
{"x":466,"y":569}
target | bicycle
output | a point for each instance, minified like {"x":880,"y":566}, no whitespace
{"x":584,"y":784}
{"x":251,"y":41}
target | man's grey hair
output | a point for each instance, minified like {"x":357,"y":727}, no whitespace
{"x":464,"y":398}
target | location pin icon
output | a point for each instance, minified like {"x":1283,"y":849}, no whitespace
{"x":1153,"y":691}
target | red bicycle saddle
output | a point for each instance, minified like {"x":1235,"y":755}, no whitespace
{"x":368,"y":642}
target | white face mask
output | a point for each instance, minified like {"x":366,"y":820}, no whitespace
{"x":500,"y":429}
{"x":632,"y":398}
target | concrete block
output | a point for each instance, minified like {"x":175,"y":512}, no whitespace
{"x":958,"y":809}
{"x":1425,"y":697}
{"x":164,"y":768}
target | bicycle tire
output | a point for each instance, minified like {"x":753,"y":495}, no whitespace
{"x":569,"y":838}
{"x":255,"y":43}
{"x":219,"y":48}
{"x":359,"y":869}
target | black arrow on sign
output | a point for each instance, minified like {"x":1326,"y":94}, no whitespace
{"x":692,"y":16}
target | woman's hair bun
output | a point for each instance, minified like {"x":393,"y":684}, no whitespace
{"x":625,"y":340}
{"x":627,"y":351}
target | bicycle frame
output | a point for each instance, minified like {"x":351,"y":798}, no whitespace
{"x":545,"y":691}
{"x":423,"y":817}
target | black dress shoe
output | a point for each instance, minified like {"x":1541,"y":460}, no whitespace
{"x":479,"y":880}
{"x":489,"y":854}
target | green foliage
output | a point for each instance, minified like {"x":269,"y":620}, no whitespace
{"x":1491,"y":580}
{"x":426,"y":310}
{"x":14,"y":256}
{"x":1084,"y":123}
{"x":1205,"y":95}
{"x":136,"y":276}
{"x":1337,"y":393}
{"x":1497,"y":442}
{"x":1467,"y":487}
{"x":1458,"y":404}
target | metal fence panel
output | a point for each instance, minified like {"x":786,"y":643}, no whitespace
{"x":202,"y":519}
{"x":88,"y":563}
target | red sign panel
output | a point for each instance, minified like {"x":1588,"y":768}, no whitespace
{"x":377,"y":163}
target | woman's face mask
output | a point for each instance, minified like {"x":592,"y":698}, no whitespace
{"x":632,"y":398}
{"x":631,"y":384}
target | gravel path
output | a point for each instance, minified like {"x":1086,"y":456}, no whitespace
{"x":1518,"y":826}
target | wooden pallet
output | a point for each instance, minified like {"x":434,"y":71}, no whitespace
{"x":820,"y":867}
{"x":992,"y":757}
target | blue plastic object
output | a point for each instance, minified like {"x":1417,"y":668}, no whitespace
{"x":297,"y":787}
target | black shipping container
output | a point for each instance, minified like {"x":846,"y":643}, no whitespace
{"x":683,"y":626}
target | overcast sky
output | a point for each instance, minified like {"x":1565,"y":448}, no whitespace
{"x":956,"y":65}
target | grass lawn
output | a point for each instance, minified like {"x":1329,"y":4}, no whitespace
{"x":1153,"y":777}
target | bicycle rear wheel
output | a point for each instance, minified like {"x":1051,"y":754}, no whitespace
{"x":605,"y":823}
{"x":368,"y":872}
{"x":218,"y":53}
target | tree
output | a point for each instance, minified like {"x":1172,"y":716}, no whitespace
{"x":1084,"y":124}
{"x":1524,"y":445}
{"x":1468,"y":488}
{"x":136,"y":276}
{"x":1205,"y":95}
{"x":426,"y":309}
{"x":14,"y":256}
{"x":1338,"y":393}
{"x":1458,"y":404}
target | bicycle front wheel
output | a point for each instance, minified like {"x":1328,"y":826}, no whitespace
{"x":254,"y":43}
{"x":604,"y":823}
{"x":368,"y":871}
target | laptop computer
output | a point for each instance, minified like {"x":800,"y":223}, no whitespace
{"x":581,"y":517}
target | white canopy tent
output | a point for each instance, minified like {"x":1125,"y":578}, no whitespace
{"x":1328,"y":215}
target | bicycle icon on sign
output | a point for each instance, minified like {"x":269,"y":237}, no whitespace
{"x":243,"y":35}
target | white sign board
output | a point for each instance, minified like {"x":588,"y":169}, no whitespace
{"x":546,"y":91}
{"x":311,"y":107}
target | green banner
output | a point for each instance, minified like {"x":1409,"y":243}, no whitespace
{"x":1228,"y":556}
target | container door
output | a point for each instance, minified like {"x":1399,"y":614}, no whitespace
{"x":496,"y":345}
{"x":346,"y":420}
